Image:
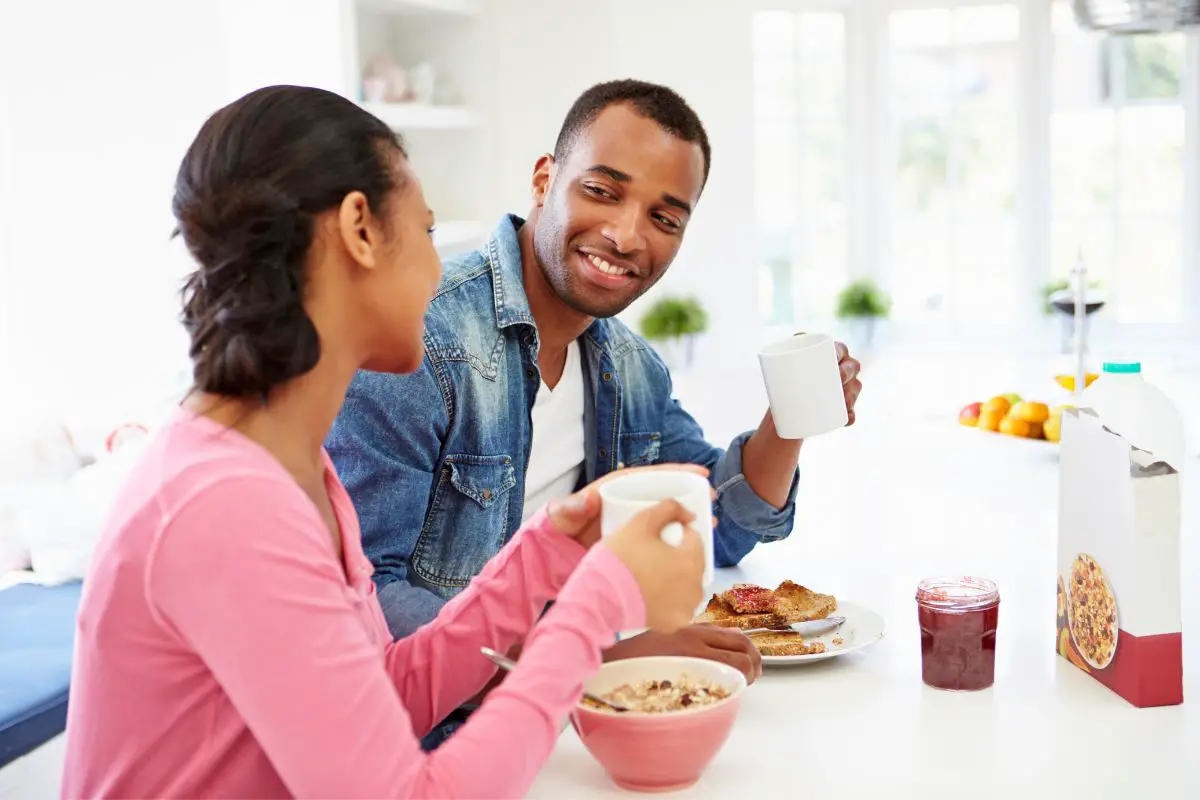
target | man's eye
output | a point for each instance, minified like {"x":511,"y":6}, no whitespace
{"x":599,"y":191}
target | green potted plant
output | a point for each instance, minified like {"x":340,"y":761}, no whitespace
{"x":675,"y":321}
{"x":862,"y":303}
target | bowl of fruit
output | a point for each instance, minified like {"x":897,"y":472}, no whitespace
{"x":1010,"y":415}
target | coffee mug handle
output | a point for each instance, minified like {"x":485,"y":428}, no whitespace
{"x":672,"y":534}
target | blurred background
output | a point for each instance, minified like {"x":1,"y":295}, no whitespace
{"x":917,"y":176}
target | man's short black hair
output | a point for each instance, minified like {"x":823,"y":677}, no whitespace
{"x":650,"y":100}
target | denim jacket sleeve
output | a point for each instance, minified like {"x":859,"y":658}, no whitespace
{"x":743,"y":518}
{"x":384,"y":443}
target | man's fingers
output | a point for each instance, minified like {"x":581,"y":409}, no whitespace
{"x":573,"y":512}
{"x":850,"y":368}
{"x":737,"y":659}
{"x":724,"y":638}
{"x":853,"y":390}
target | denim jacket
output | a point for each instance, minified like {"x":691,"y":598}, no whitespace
{"x":435,"y":461}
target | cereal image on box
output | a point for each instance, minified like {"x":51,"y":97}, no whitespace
{"x":1093,"y":612}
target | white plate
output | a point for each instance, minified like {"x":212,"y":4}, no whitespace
{"x":862,"y":628}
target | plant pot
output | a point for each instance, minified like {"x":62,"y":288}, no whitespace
{"x":678,"y":354}
{"x":860,"y":333}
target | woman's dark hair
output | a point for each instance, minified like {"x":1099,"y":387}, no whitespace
{"x":246,"y":197}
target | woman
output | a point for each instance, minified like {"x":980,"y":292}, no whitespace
{"x":229,"y":641}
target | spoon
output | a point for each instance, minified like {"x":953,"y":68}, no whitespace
{"x":813,"y":627}
{"x":508,"y":665}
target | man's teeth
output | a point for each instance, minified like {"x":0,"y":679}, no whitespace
{"x":605,"y":267}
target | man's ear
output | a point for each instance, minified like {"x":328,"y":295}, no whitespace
{"x":543,"y":177}
{"x":356,"y":229}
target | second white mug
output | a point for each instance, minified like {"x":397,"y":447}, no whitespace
{"x":804,"y":385}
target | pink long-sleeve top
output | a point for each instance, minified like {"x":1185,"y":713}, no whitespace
{"x":223,"y":650}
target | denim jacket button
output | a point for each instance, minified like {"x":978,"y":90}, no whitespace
{"x":604,"y":454}
{"x":607,"y":376}
{"x":528,"y":373}
{"x":487,"y":494}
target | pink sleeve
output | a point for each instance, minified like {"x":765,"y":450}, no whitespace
{"x":245,"y":575}
{"x":497,"y":609}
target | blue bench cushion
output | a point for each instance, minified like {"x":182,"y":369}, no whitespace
{"x":37,"y":634}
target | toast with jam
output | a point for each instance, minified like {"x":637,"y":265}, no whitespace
{"x":747,"y":606}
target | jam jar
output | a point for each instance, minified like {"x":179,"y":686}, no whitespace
{"x":958,"y":619}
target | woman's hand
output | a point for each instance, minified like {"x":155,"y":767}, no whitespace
{"x":578,"y":516}
{"x":671,"y":578}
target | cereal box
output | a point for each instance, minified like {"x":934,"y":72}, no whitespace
{"x":1118,"y":614}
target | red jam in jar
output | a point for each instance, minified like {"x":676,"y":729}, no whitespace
{"x":958,"y":619}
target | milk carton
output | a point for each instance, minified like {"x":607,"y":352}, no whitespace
{"x":1119,"y":616}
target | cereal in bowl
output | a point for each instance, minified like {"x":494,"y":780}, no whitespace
{"x":656,"y":697}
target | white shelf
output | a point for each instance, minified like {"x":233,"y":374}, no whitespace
{"x":416,"y":116}
{"x":462,"y":8}
{"x":457,"y":235}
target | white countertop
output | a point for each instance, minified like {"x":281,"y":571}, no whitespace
{"x":881,"y":508}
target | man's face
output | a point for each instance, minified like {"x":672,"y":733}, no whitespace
{"x":614,"y":209}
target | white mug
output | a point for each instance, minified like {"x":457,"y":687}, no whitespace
{"x":624,"y":497}
{"x":804,"y":385}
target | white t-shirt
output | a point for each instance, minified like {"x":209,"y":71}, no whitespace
{"x":557,"y":453}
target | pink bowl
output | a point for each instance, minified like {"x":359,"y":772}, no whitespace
{"x":658,"y":752}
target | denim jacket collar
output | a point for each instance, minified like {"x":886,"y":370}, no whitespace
{"x":508,"y":282}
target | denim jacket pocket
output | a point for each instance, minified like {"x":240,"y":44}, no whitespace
{"x":639,"y":449}
{"x":467,"y":521}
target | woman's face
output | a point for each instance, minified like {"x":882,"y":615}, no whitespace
{"x":398,"y":292}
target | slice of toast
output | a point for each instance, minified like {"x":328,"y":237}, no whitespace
{"x":749,"y":598}
{"x":795,"y":603}
{"x":784,"y":643}
{"x":719,"y":613}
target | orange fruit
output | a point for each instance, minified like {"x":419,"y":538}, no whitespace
{"x":990,"y":420}
{"x":1036,"y":430}
{"x":1015,"y":427}
{"x":999,"y":404}
{"x":1031,"y":412}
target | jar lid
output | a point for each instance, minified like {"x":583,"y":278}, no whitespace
{"x":957,"y":593}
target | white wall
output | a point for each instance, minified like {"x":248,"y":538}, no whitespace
{"x":544,"y":53}
{"x":100,"y":101}
{"x":86,"y":195}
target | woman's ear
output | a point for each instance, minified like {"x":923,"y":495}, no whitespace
{"x":358,"y":230}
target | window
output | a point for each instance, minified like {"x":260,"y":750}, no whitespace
{"x":800,"y":162}
{"x":1117,"y":139}
{"x":953,"y":77}
{"x":993,"y":142}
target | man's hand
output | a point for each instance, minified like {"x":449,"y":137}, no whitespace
{"x":727,"y":645}
{"x":851,"y":385}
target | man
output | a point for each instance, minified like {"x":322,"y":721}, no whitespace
{"x":530,"y":388}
